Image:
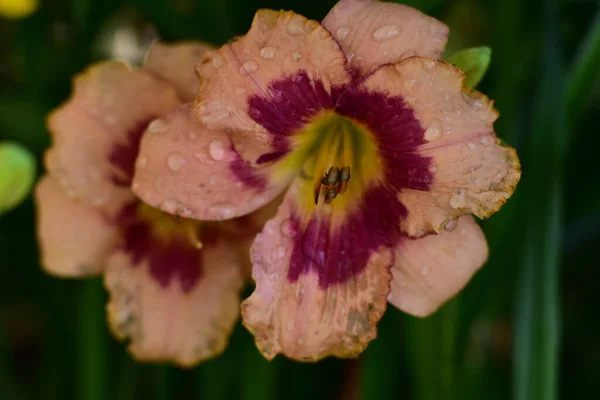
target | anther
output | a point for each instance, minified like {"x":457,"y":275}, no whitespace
{"x":334,"y":182}
{"x":344,"y":178}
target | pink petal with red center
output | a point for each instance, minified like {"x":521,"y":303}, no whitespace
{"x":75,"y":239}
{"x":95,"y":133}
{"x":187,"y":169}
{"x":431,"y":270}
{"x":472,"y":172}
{"x":373,"y":33}
{"x":170,"y":322}
{"x":176,"y":63}
{"x":302,"y":317}
{"x":278,"y":44}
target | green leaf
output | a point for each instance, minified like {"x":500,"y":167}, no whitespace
{"x":17,"y":174}
{"x":474,"y":62}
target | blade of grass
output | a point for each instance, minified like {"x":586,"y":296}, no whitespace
{"x":93,"y":342}
{"x":537,"y":311}
{"x":583,"y":73}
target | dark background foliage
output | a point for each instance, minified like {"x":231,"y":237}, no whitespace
{"x":526,"y":327}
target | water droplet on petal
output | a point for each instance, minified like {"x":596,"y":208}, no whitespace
{"x":192,"y":136}
{"x":157,"y":126}
{"x":217,"y":60}
{"x":458,"y":199}
{"x":142,"y":162}
{"x":212,"y":179}
{"x":175,"y":161}
{"x":484,"y":140}
{"x":296,"y":56}
{"x":451,"y":224}
{"x":342,"y":33}
{"x":248,"y":67}
{"x":471,"y":145}
{"x":386,"y":32}
{"x":240,"y":91}
{"x":287,"y":229}
{"x":217,"y":149}
{"x":434,"y":131}
{"x":222,"y":211}
{"x":433,"y":168}
{"x":424,"y":270}
{"x":268,"y":52}
{"x":290,"y":324}
{"x":425,"y":31}
{"x":429,"y":65}
{"x":295,"y":26}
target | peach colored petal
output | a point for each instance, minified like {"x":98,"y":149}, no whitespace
{"x":473,"y":171}
{"x":75,"y":239}
{"x":278,"y":44}
{"x":166,"y":324}
{"x":111,"y":103}
{"x":373,"y":33}
{"x":189,"y":170}
{"x":431,"y":270}
{"x":176,"y":63}
{"x":302,"y":319}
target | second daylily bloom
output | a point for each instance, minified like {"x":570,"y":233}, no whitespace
{"x":174,"y":284}
{"x":383,"y":152}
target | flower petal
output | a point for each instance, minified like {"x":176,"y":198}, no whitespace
{"x":170,"y":322}
{"x":374,"y":33}
{"x":472,"y":171}
{"x":189,"y":170}
{"x":176,"y":63}
{"x":279,"y":44}
{"x":95,"y":133}
{"x":298,"y":315}
{"x":75,"y":239}
{"x":431,"y":270}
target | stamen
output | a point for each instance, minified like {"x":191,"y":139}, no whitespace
{"x":194,"y":236}
{"x":334,"y":182}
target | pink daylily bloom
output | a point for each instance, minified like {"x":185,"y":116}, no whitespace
{"x":381,"y":151}
{"x":174,"y":284}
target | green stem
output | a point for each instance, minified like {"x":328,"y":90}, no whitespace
{"x":93,"y":342}
{"x":583,"y":73}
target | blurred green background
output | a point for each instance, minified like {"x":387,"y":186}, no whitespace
{"x":526,"y":328}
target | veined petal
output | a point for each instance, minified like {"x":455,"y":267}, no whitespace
{"x":469,"y":169}
{"x":75,"y":239}
{"x":309,"y":301}
{"x":187,"y":169}
{"x":429,"y":271}
{"x":96,"y":132}
{"x":176,"y":63}
{"x":373,"y":33}
{"x":167,"y":321}
{"x":278,"y":45}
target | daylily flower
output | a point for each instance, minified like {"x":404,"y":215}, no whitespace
{"x":384,"y":154}
{"x":174,"y":284}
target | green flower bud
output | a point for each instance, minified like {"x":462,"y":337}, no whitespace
{"x":474,"y":62}
{"x":17,"y":174}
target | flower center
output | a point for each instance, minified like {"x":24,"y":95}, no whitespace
{"x":336,"y":159}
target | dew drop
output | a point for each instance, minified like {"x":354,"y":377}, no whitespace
{"x":458,"y":199}
{"x":342,"y":33}
{"x":222,"y":211}
{"x":175,"y":161}
{"x":274,"y":276}
{"x":424,"y":31}
{"x":248,"y":67}
{"x":157,"y":126}
{"x":295,"y":26}
{"x":434,"y":131}
{"x":433,"y":168}
{"x":386,"y":32}
{"x":268,"y":52}
{"x":217,"y":61}
{"x":290,"y":324}
{"x":287,"y":229}
{"x":240,"y":91}
{"x":142,"y":162}
{"x":429,"y":65}
{"x":471,"y":145}
{"x":424,"y":270}
{"x":451,"y":224}
{"x":212,"y":179}
{"x":217,"y":149}
{"x":192,"y":136}
{"x":484,"y":140}
{"x":296,"y":56}
{"x":279,"y":253}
